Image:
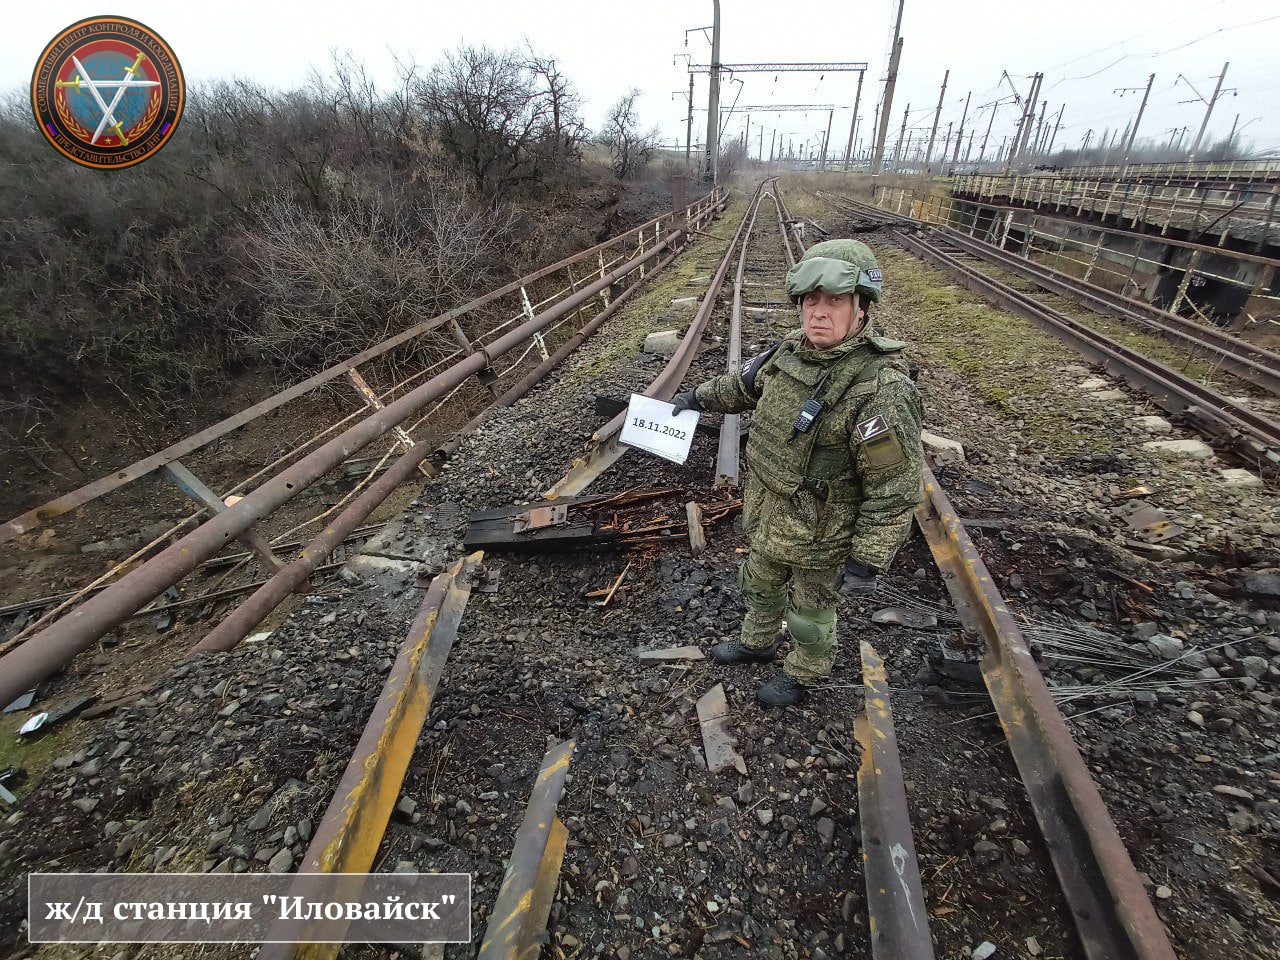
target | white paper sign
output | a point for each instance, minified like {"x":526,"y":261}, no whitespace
{"x":650,"y":426}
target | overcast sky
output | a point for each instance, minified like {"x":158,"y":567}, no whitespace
{"x":1086,"y":49}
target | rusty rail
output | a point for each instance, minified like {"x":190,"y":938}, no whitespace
{"x":1252,"y":435}
{"x":348,"y":837}
{"x":606,"y":448}
{"x":528,"y":888}
{"x":1242,"y":358}
{"x":1113,"y":916}
{"x":727,"y":458}
{"x":899,"y":919}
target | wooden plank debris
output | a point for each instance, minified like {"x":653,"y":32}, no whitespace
{"x":671,"y":653}
{"x":617,"y":583}
{"x":697,"y":535}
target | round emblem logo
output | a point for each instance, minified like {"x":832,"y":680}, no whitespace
{"x":107,"y":92}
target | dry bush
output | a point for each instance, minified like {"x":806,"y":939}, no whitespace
{"x":332,"y":282}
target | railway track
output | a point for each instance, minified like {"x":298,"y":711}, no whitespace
{"x":1246,"y":360}
{"x":1114,"y":919}
{"x":1250,"y":435}
{"x":1113,"y":916}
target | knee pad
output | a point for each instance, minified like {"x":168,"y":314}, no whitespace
{"x":810,"y":626}
{"x":762,"y":596}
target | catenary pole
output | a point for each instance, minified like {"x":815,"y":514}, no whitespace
{"x":713,"y":100}
{"x":1209,"y":111}
{"x":891,"y":80}
{"x":1133,"y":132}
{"x":857,"y":99}
{"x":955,"y":157}
{"x":937,"y":115}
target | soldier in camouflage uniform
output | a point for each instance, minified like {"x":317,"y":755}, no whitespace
{"x":834,"y":461}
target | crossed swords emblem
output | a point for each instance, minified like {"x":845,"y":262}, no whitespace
{"x":130,"y":82}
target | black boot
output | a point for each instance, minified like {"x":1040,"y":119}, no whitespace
{"x":735,"y":651}
{"x":782,"y":691}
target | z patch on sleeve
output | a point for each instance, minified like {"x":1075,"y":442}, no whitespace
{"x":872,"y":428}
{"x":879,"y":444}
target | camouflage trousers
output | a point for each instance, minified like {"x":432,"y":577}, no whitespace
{"x":805,"y":600}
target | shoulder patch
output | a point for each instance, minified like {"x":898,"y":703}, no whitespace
{"x":882,"y":450}
{"x":871,"y":428}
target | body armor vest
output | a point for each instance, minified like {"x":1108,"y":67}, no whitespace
{"x":821,"y":459}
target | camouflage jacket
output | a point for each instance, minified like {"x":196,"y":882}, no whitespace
{"x":847,"y":486}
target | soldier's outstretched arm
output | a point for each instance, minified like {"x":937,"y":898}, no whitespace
{"x":729,"y":392}
{"x":890,"y":460}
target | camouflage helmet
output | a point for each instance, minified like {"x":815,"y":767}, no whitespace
{"x":836,"y":266}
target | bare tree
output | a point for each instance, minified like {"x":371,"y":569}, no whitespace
{"x":733,"y":156}
{"x":485,"y":108}
{"x":630,"y":149}
{"x":567,"y":132}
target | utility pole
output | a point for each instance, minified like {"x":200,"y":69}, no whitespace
{"x":1087,"y":137}
{"x":1035,"y":146}
{"x":960,"y":133}
{"x":688,"y":125}
{"x":969,"y":149}
{"x":891,"y":80}
{"x":822,"y":164}
{"x":982,"y":154}
{"x":902,"y":134}
{"x":857,"y":99}
{"x":761,"y":148}
{"x":1133,"y":131}
{"x":773,"y":139}
{"x":1209,"y":112}
{"x":713,"y":101}
{"x":1056,"y":127}
{"x":1024,"y":128}
{"x":937,"y":115}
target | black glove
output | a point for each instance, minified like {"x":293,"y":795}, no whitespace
{"x":857,"y":579}
{"x":685,"y":401}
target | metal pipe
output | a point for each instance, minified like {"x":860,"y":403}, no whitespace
{"x":37,"y":516}
{"x":447,"y":449}
{"x":58,"y":643}
{"x":238,"y":624}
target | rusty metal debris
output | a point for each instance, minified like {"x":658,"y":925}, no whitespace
{"x":539,"y":518}
{"x":347,"y":838}
{"x":628,"y":518}
{"x":904,"y":617}
{"x":519,"y":917}
{"x":1112,"y":913}
{"x":1149,"y":522}
{"x":717,"y":742}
